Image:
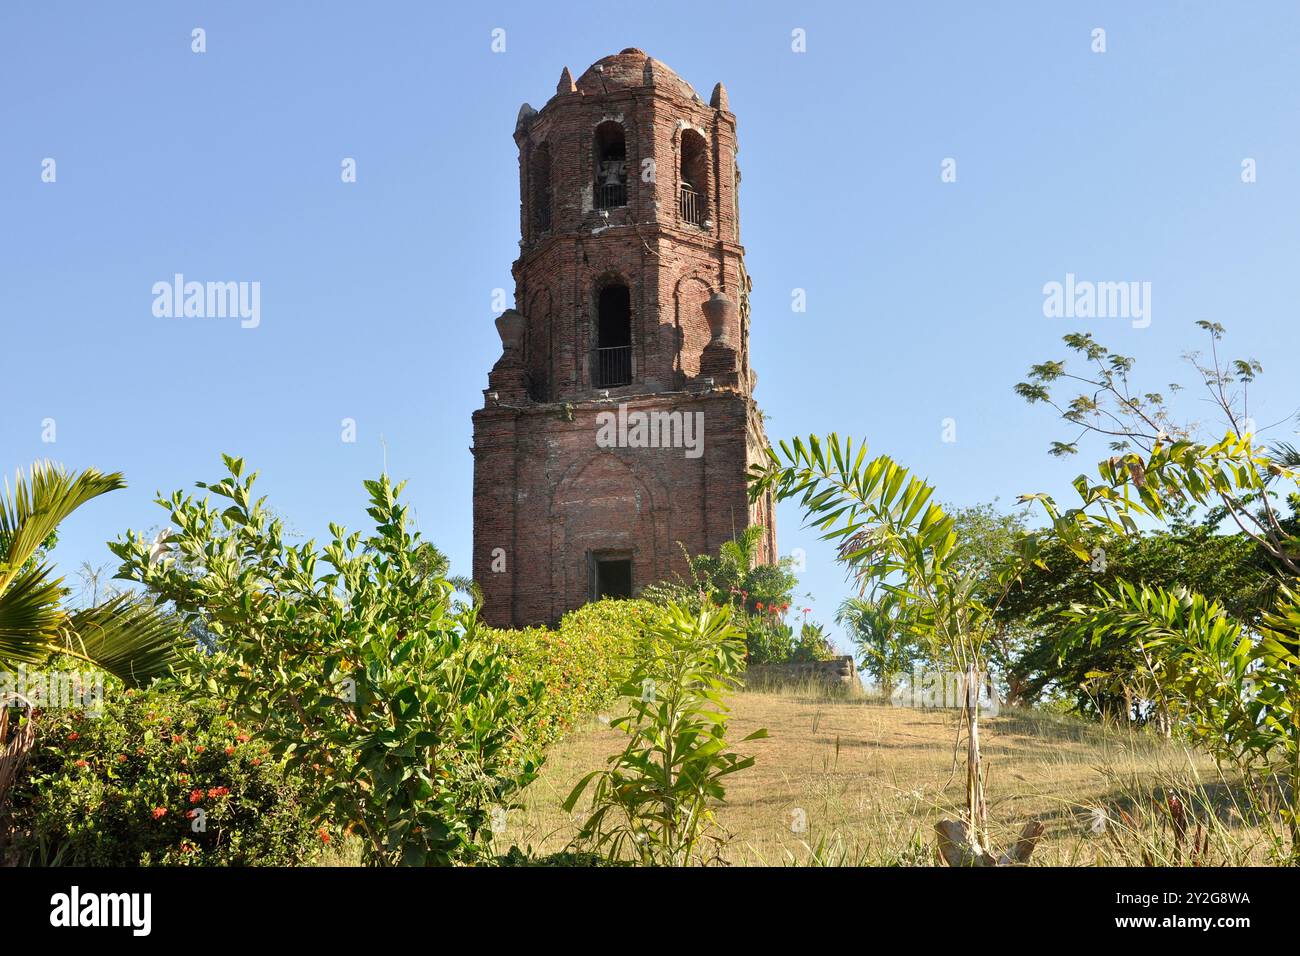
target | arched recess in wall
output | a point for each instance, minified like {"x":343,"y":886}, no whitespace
{"x":604,"y":506}
{"x":693,"y":334}
{"x":538,"y":334}
{"x":539,"y":187}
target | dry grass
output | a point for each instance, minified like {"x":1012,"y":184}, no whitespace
{"x":872,"y":780}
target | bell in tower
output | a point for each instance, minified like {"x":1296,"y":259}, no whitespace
{"x":619,"y":420}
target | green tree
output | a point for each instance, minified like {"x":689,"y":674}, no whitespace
{"x":1106,"y":677}
{"x":352,"y":665}
{"x":1234,"y":692}
{"x":990,"y":539}
{"x":897,"y":540}
{"x":1161,"y":465}
{"x":887,"y":647}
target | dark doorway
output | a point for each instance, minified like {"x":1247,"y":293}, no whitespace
{"x":611,"y":578}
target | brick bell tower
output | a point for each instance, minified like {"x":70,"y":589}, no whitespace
{"x":619,"y":419}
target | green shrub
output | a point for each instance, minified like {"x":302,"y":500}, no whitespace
{"x":757,"y":595}
{"x":351,"y":662}
{"x":769,"y":640}
{"x":411,"y":722}
{"x":155,"y":780}
{"x":813,"y":644}
{"x":582,"y":662}
{"x":655,"y":802}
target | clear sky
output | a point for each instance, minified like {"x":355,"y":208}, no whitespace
{"x":924,"y":298}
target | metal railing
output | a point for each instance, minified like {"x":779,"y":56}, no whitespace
{"x":691,"y":205}
{"x":614,"y":366}
{"x":611,"y":195}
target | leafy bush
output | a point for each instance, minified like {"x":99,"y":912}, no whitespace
{"x":757,"y":595}
{"x":655,"y":802}
{"x":1229,"y":569}
{"x":156,"y":780}
{"x":1233,"y":692}
{"x":352,"y":665}
{"x":582,"y":663}
{"x":812,"y":644}
{"x":769,"y":640}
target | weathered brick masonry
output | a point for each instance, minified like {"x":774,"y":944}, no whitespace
{"x":630,"y":289}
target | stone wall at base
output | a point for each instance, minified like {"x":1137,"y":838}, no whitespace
{"x":839,"y":673}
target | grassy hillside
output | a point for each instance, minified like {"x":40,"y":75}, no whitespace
{"x":872,"y":780}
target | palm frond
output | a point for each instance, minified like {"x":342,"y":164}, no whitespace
{"x":1285,"y":454}
{"x":30,"y":616}
{"x":742,"y":550}
{"x":32,"y":508}
{"x":131,"y":638}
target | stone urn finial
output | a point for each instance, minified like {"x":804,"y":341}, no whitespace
{"x":721,"y":315}
{"x":510,"y":326}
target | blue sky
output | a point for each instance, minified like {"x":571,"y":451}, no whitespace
{"x":924,"y":298}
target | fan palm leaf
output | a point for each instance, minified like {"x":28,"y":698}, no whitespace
{"x":126,"y":636}
{"x":131,"y":638}
{"x":30,"y":615}
{"x":34,"y":507}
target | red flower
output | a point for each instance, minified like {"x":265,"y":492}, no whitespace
{"x":74,"y":736}
{"x":82,"y":765}
{"x":324,"y":835}
{"x":121,"y":758}
{"x":191,"y":814}
{"x":196,"y":796}
{"x":242,"y":738}
{"x":176,"y":738}
{"x":257,"y":761}
{"x":230,"y":751}
{"x":159,"y":812}
{"x":759,"y":605}
{"x":199,"y":749}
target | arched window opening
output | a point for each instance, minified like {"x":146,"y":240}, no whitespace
{"x":611,"y":166}
{"x":540,"y":186}
{"x":693,"y":192}
{"x":614,"y":336}
{"x":537,"y":348}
